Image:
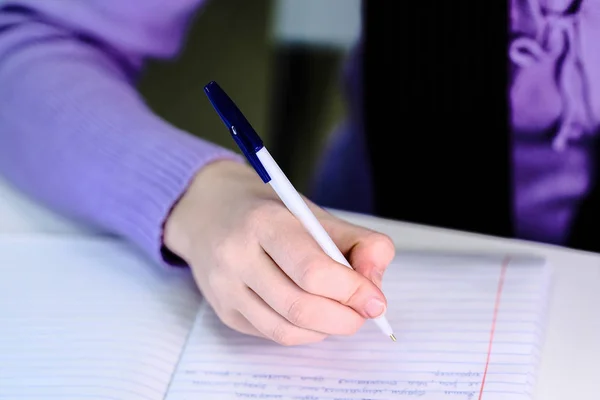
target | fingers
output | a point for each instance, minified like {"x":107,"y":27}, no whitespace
{"x":272,"y":325}
{"x":222,"y":304}
{"x":368,"y":252}
{"x":297,"y":254}
{"x":300,"y":308}
{"x":236,"y":321}
{"x":371,"y":255}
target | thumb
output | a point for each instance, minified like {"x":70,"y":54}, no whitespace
{"x":369,"y":252}
{"x":371,"y":255}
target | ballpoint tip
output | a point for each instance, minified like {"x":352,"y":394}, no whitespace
{"x":393,"y":337}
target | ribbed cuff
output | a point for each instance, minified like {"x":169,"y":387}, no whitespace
{"x":156,"y":177}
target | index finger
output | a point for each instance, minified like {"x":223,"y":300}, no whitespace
{"x":299,"y":256}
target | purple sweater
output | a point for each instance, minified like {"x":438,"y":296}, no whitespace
{"x":75,"y":134}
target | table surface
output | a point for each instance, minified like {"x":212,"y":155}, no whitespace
{"x":572,"y":347}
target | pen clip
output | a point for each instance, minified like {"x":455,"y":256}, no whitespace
{"x":249,"y":151}
{"x":242,"y":132}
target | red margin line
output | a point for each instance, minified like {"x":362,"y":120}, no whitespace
{"x":494,"y":318}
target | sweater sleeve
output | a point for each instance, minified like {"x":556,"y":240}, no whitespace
{"x":74,"y":132}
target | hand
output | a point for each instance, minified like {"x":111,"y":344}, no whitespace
{"x":262,"y":272}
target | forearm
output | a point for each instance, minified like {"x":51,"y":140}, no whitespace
{"x":76,"y":135}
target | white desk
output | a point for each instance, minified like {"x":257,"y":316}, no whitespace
{"x":569,"y":368}
{"x":21,"y":215}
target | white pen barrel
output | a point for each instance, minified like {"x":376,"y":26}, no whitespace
{"x":297,"y":206}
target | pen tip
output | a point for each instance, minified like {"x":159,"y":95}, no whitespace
{"x":393,"y":337}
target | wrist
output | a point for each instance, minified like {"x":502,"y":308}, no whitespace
{"x":177,"y":235}
{"x":174,"y":242}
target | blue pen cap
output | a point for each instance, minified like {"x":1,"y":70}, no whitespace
{"x":242,"y":132}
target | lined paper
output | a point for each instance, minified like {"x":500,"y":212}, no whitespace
{"x":467,"y":328}
{"x":89,"y":319}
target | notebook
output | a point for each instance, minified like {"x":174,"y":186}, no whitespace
{"x":92,"y":319}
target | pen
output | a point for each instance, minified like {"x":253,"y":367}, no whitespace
{"x":254,"y":150}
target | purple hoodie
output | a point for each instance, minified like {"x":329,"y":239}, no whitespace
{"x":75,"y":134}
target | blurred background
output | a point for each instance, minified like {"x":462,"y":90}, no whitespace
{"x":280,"y":60}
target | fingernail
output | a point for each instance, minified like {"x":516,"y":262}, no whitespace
{"x":374,"y":308}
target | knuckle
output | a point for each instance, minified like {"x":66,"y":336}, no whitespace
{"x":267,"y":218}
{"x":257,"y":217}
{"x":253,"y":219}
{"x":310,"y":270}
{"x":297,"y":312}
{"x":385,"y":240}
{"x":225,"y":253}
{"x":282,"y":335}
{"x":382,"y":241}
